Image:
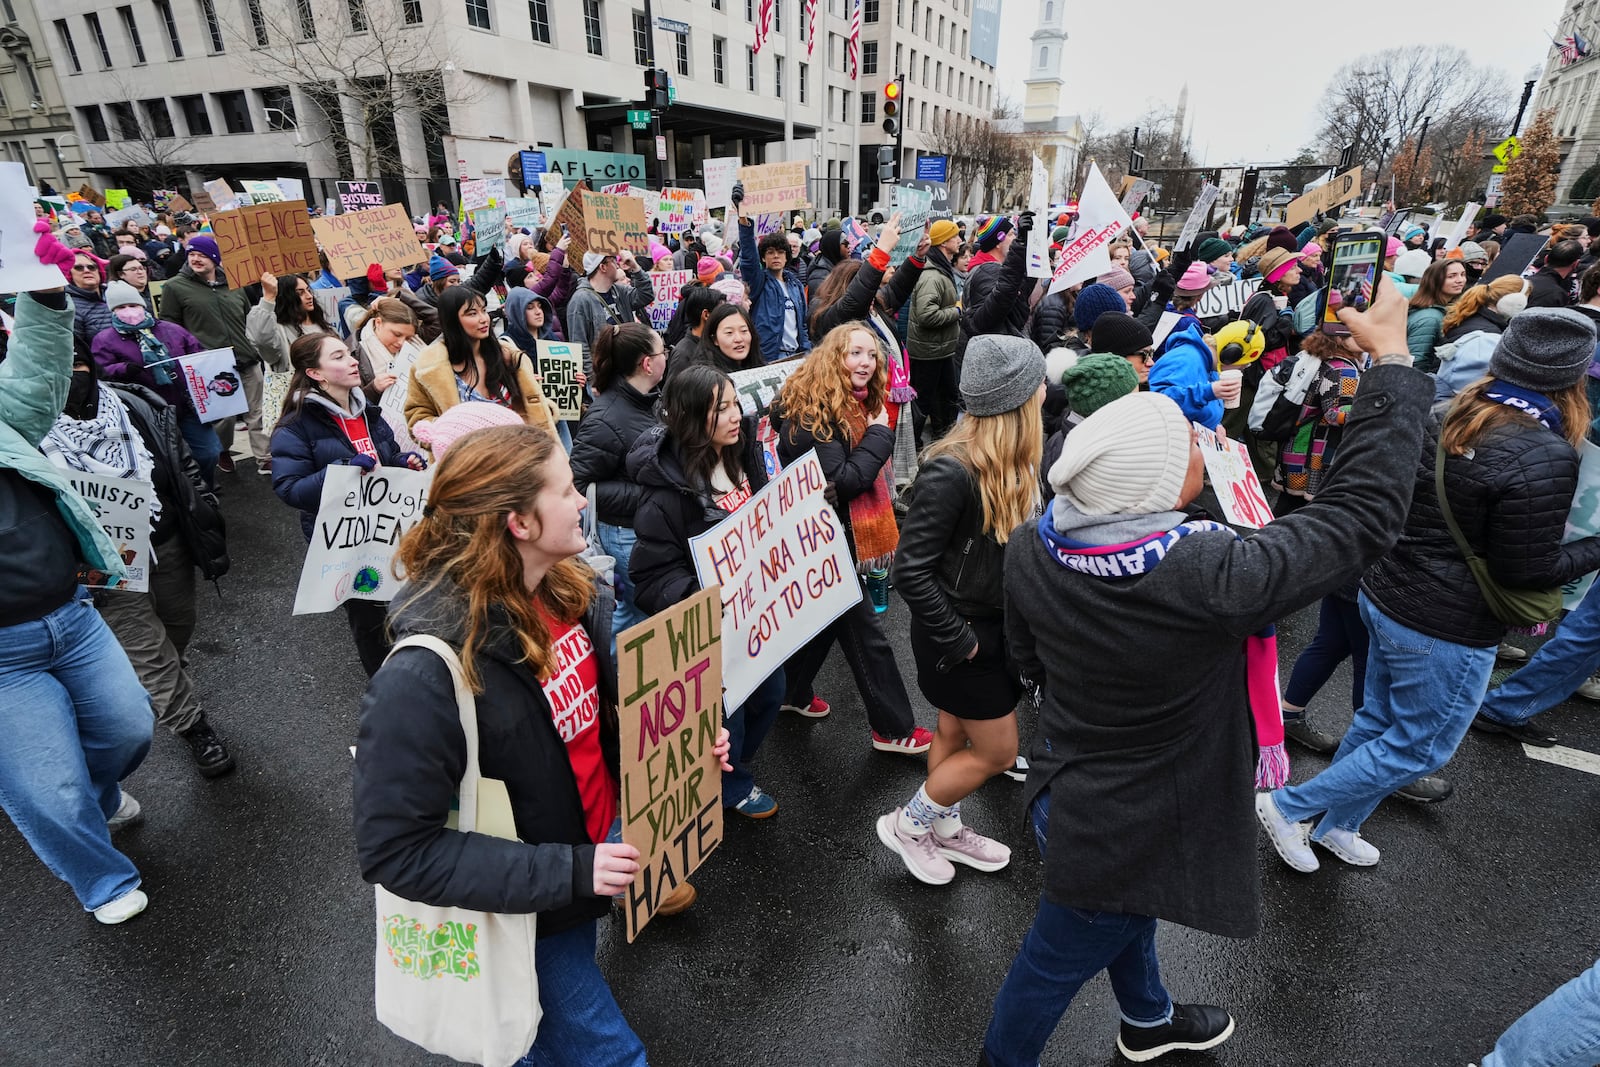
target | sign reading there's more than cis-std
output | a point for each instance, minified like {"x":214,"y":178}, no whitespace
{"x":773,"y":187}
{"x":1234,"y":479}
{"x":560,"y":363}
{"x":669,"y":291}
{"x":1331,"y":194}
{"x":215,"y":388}
{"x":381,"y":235}
{"x":122,"y":508}
{"x":264,"y":238}
{"x":614,"y":224}
{"x":669,"y":673}
{"x":357,"y":534}
{"x":358,"y":196}
{"x":785,"y":572}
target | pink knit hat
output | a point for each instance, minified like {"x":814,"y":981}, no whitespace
{"x":440,"y":433}
{"x":1311,"y":251}
{"x":1195,"y":280}
{"x":708,"y":270}
{"x":1393,"y":248}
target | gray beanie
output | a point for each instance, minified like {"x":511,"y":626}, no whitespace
{"x":1000,"y":373}
{"x":1544,"y":349}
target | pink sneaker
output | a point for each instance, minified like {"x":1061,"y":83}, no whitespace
{"x":817,"y":709}
{"x":919,"y":742}
{"x":920,"y":854}
{"x":973,"y":849}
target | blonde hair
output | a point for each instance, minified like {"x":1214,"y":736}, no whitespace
{"x":1252,"y":250}
{"x":817,"y":397}
{"x":463,"y":539}
{"x":1479,"y":297}
{"x":388,"y":309}
{"x":1002,"y":452}
{"x":1472,"y":415}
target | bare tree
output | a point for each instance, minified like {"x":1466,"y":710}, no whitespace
{"x":1165,"y":157}
{"x":360,"y":64}
{"x":147,"y":150}
{"x":986,"y":153}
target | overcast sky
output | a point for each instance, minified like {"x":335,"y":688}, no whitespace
{"x":1255,"y":72}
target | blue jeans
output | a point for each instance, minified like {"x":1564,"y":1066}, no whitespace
{"x":1561,"y":665}
{"x":582,"y":1025}
{"x":1562,"y":1030}
{"x":76,"y":722}
{"x":1064,"y":948}
{"x":202,"y":442}
{"x":748,"y":726}
{"x":1421,"y":695}
{"x":618,"y":541}
{"x":1340,"y":634}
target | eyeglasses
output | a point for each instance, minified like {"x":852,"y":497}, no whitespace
{"x":1147,"y":355}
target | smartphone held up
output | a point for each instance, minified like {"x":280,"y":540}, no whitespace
{"x":1352,"y":278}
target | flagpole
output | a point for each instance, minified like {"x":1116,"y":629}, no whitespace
{"x":853,"y":114}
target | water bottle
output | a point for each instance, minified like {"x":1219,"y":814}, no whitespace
{"x":878,"y":589}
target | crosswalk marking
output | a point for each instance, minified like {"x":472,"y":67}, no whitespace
{"x":1565,"y":757}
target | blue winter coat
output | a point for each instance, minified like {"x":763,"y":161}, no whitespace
{"x":767,"y":297}
{"x":305,"y":445}
{"x":1185,"y":371}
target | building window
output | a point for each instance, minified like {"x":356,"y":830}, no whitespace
{"x":411,"y":12}
{"x":213,"y":28}
{"x":941,"y":31}
{"x":716,"y":5}
{"x":777,"y":77}
{"x":804,"y":69}
{"x":869,"y":10}
{"x":777,"y":16}
{"x":126,"y":121}
{"x":1049,"y":10}
{"x":195,"y":116}
{"x":175,"y":46}
{"x":1044,"y":56}
{"x":844,"y":105}
{"x":65,"y":33}
{"x":158,"y":118}
{"x":278,"y":105}
{"x":869,"y":57}
{"x":641,"y":40}
{"x":94,"y":122}
{"x":927,"y":24}
{"x":478,"y":14}
{"x":539,"y":18}
{"x":750,"y":69}
{"x":4,"y":107}
{"x":899,"y":12}
{"x":869,"y":107}
{"x":307,"y":20}
{"x":258,"y":22}
{"x":235,"y":111}
{"x":358,"y":15}
{"x":99,"y":35}
{"x":131,"y":28}
{"x":593,"y":39}
{"x":749,"y":10}
{"x":924,"y":70}
{"x":719,"y":60}
{"x":897,"y":56}
{"x":681,"y":43}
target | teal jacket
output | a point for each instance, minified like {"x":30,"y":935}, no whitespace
{"x":1424,"y":328}
{"x":33,"y":389}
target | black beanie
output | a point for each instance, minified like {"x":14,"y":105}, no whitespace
{"x":1120,"y":334}
{"x":828,"y":246}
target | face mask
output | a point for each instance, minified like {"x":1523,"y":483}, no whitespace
{"x":83,"y":396}
{"x":130,"y":314}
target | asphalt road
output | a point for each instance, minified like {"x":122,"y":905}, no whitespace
{"x":810,"y":944}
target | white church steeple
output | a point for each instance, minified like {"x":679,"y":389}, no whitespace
{"x":1047,"y":47}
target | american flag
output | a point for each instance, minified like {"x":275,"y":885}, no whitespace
{"x":763,"y":24}
{"x":1569,"y":51}
{"x":853,"y":49}
{"x":811,"y":26}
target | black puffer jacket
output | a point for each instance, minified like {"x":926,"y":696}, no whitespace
{"x":188,"y":510}
{"x":410,"y":754}
{"x":856,"y":301}
{"x":600,"y":449}
{"x":996,"y":298}
{"x":671,"y":512}
{"x":946,"y":568}
{"x":1510,"y":499}
{"x":1050,"y":323}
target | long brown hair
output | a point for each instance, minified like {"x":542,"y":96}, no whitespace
{"x":305,"y":352}
{"x":1472,"y":415}
{"x":1479,"y":297}
{"x":832,"y":289}
{"x":1002,"y":452}
{"x":817,"y":397}
{"x":1430,"y":290}
{"x":463,"y":539}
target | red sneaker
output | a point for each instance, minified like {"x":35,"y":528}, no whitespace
{"x":915,"y":745}
{"x":817,"y":709}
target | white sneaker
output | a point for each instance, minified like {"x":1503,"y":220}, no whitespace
{"x":122,"y":909}
{"x":1590,"y":690}
{"x":1348,"y":846}
{"x":127,"y":814}
{"x":1289,"y":838}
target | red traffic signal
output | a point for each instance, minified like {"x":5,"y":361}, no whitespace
{"x":892,"y":91}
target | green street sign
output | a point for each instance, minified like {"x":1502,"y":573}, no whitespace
{"x":672,"y":93}
{"x":640,"y":119}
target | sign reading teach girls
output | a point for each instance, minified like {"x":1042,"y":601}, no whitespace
{"x":599,"y":168}
{"x":357,"y":534}
{"x":785,"y":571}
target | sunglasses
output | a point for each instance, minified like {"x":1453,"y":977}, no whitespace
{"x":1147,"y":355}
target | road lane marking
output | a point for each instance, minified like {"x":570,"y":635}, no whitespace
{"x":1562,"y":756}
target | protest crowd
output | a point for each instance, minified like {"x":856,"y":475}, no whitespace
{"x":1051,"y":438}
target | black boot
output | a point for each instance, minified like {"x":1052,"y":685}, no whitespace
{"x":1194,"y":1027}
{"x":211,"y":756}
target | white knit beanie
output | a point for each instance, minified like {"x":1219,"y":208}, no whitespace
{"x":1128,"y":458}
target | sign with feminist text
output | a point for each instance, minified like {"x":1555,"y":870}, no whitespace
{"x":785,"y":572}
{"x":357,"y":534}
{"x":915,"y":207}
{"x":1234,"y":479}
{"x":669,"y":291}
{"x":122,"y":508}
{"x":614,"y":224}
{"x":358,"y":196}
{"x":1086,"y":252}
{"x":677,"y":210}
{"x":669,"y":675}
{"x":1343,"y":188}
{"x":559,"y":366}
{"x":774,"y":187}
{"x":266,"y":237}
{"x":381,"y":235}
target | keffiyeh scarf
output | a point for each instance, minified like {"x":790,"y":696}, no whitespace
{"x":107,"y":444}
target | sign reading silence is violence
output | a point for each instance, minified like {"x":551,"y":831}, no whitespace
{"x":264,"y":238}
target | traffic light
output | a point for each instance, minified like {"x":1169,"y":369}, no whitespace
{"x":1135,"y":163}
{"x":1346,"y":154}
{"x":657,"y":95}
{"x":888,"y":165}
{"x":891,"y":108}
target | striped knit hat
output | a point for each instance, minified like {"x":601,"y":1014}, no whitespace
{"x":989,"y":232}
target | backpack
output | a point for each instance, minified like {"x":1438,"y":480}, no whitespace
{"x":1281,"y":397}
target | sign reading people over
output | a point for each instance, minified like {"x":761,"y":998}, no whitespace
{"x":669,"y":674}
{"x":785,"y":572}
{"x":381,"y":235}
{"x":263,"y":238}
{"x":122,"y":508}
{"x":774,"y":187}
{"x":560,"y":363}
{"x":357,"y":535}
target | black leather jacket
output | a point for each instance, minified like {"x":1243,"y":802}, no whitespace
{"x":189,"y":510}
{"x":946,"y":569}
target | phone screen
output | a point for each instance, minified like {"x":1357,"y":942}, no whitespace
{"x":1352,"y":276}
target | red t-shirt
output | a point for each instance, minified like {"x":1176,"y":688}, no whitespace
{"x":355,"y":428}
{"x":573,"y":690}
